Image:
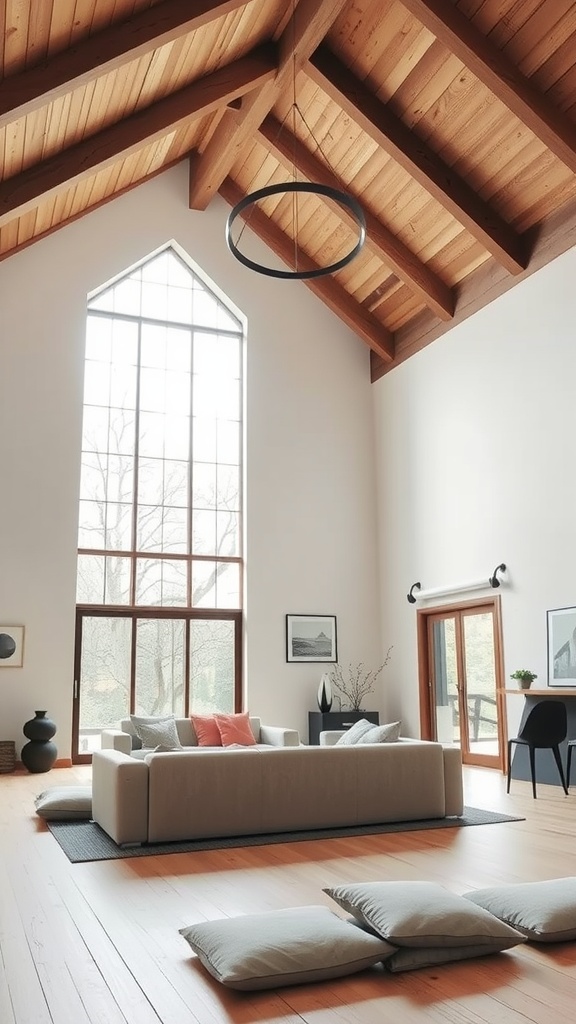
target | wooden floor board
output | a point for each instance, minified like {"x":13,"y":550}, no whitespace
{"x":98,"y":943}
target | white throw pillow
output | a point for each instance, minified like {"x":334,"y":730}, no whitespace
{"x":283,"y":947}
{"x":389,"y":733}
{"x":353,"y":734}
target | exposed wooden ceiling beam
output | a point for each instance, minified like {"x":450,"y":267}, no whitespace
{"x":431,"y":289}
{"x":418,"y":159}
{"x":359,"y":320}
{"x":498,"y":74}
{"x":104,"y":52}
{"x":548,"y":240}
{"x":24,"y":191}
{"x":306,"y":28}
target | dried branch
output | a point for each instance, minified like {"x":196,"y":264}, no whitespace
{"x":360,"y":682}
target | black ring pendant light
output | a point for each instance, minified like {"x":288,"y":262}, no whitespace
{"x":343,"y":198}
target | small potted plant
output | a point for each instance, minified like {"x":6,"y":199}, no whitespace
{"x":524,"y":677}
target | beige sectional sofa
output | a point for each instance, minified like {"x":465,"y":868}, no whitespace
{"x":229,"y":791}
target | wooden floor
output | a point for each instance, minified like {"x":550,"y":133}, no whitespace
{"x":98,"y":943}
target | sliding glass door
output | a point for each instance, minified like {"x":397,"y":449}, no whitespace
{"x":462,"y":674}
{"x":151,"y":663}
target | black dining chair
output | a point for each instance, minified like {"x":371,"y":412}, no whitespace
{"x":545,"y":727}
{"x":571,"y":745}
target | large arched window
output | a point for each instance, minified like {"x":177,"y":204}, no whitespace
{"x":160,"y":520}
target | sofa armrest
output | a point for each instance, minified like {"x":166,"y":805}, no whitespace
{"x":115,"y":739}
{"x":276,"y":736}
{"x":331,"y":736}
{"x":120,"y":796}
{"x":453,"y":783}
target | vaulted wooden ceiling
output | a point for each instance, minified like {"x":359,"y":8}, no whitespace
{"x":453,"y":124}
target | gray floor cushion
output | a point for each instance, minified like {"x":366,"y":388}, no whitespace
{"x":64,"y":803}
{"x":423,"y":914}
{"x":283,"y":947}
{"x":543,"y":911}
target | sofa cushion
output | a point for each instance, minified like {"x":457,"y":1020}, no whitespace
{"x":161,"y":732}
{"x":283,"y":947}
{"x":235,"y":729}
{"x":64,"y":803}
{"x":543,"y":911}
{"x":353,"y":734}
{"x":207,"y":731}
{"x":422,"y":914}
{"x":388,"y":733}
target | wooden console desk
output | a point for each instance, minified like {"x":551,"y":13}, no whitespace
{"x":546,"y":771}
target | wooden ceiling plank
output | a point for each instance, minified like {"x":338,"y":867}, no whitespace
{"x":19,"y":193}
{"x":38,"y":31}
{"x":418,"y":159}
{"x":430,"y":288}
{"x":499,"y":74}
{"x":106,"y":51}
{"x":359,"y":320}
{"x":308,"y":25}
{"x":17,"y":16}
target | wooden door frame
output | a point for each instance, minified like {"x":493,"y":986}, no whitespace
{"x":492,"y":604}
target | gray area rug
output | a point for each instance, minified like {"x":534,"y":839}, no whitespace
{"x":85,"y":841}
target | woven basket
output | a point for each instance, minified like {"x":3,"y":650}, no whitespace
{"x":7,"y":755}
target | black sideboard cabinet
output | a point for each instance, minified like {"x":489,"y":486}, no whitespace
{"x":321,"y":721}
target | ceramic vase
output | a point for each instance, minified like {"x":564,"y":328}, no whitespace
{"x":325,"y":693}
{"x":39,"y":754}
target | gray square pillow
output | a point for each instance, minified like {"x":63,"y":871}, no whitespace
{"x":422,"y":914}
{"x":388,"y":733}
{"x":410,"y":958}
{"x":158,"y":733}
{"x":542,"y":911}
{"x":64,"y":803}
{"x":283,"y":947}
{"x":353,"y":734}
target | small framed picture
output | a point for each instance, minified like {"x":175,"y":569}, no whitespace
{"x":561,"y":623}
{"x":311,"y":638}
{"x":11,"y":646}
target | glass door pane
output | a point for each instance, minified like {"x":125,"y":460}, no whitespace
{"x":103,"y":688}
{"x":212,"y":666}
{"x":160,"y":663}
{"x":445,"y":680}
{"x":479,"y":662}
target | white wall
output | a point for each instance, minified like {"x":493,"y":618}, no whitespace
{"x":310,"y":455}
{"x":475,"y":439}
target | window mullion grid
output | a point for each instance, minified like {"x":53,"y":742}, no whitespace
{"x":190,"y":475}
{"x":133,"y":555}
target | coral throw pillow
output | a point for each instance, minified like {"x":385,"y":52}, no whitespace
{"x":207,"y":731}
{"x":235,"y":729}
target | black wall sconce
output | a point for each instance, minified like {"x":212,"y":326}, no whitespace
{"x":494,"y":581}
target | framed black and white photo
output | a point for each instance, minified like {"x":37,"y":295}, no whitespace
{"x":11,"y":646}
{"x":561,"y":647}
{"x":311,"y":638}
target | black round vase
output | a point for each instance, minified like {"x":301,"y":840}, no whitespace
{"x":39,"y":754}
